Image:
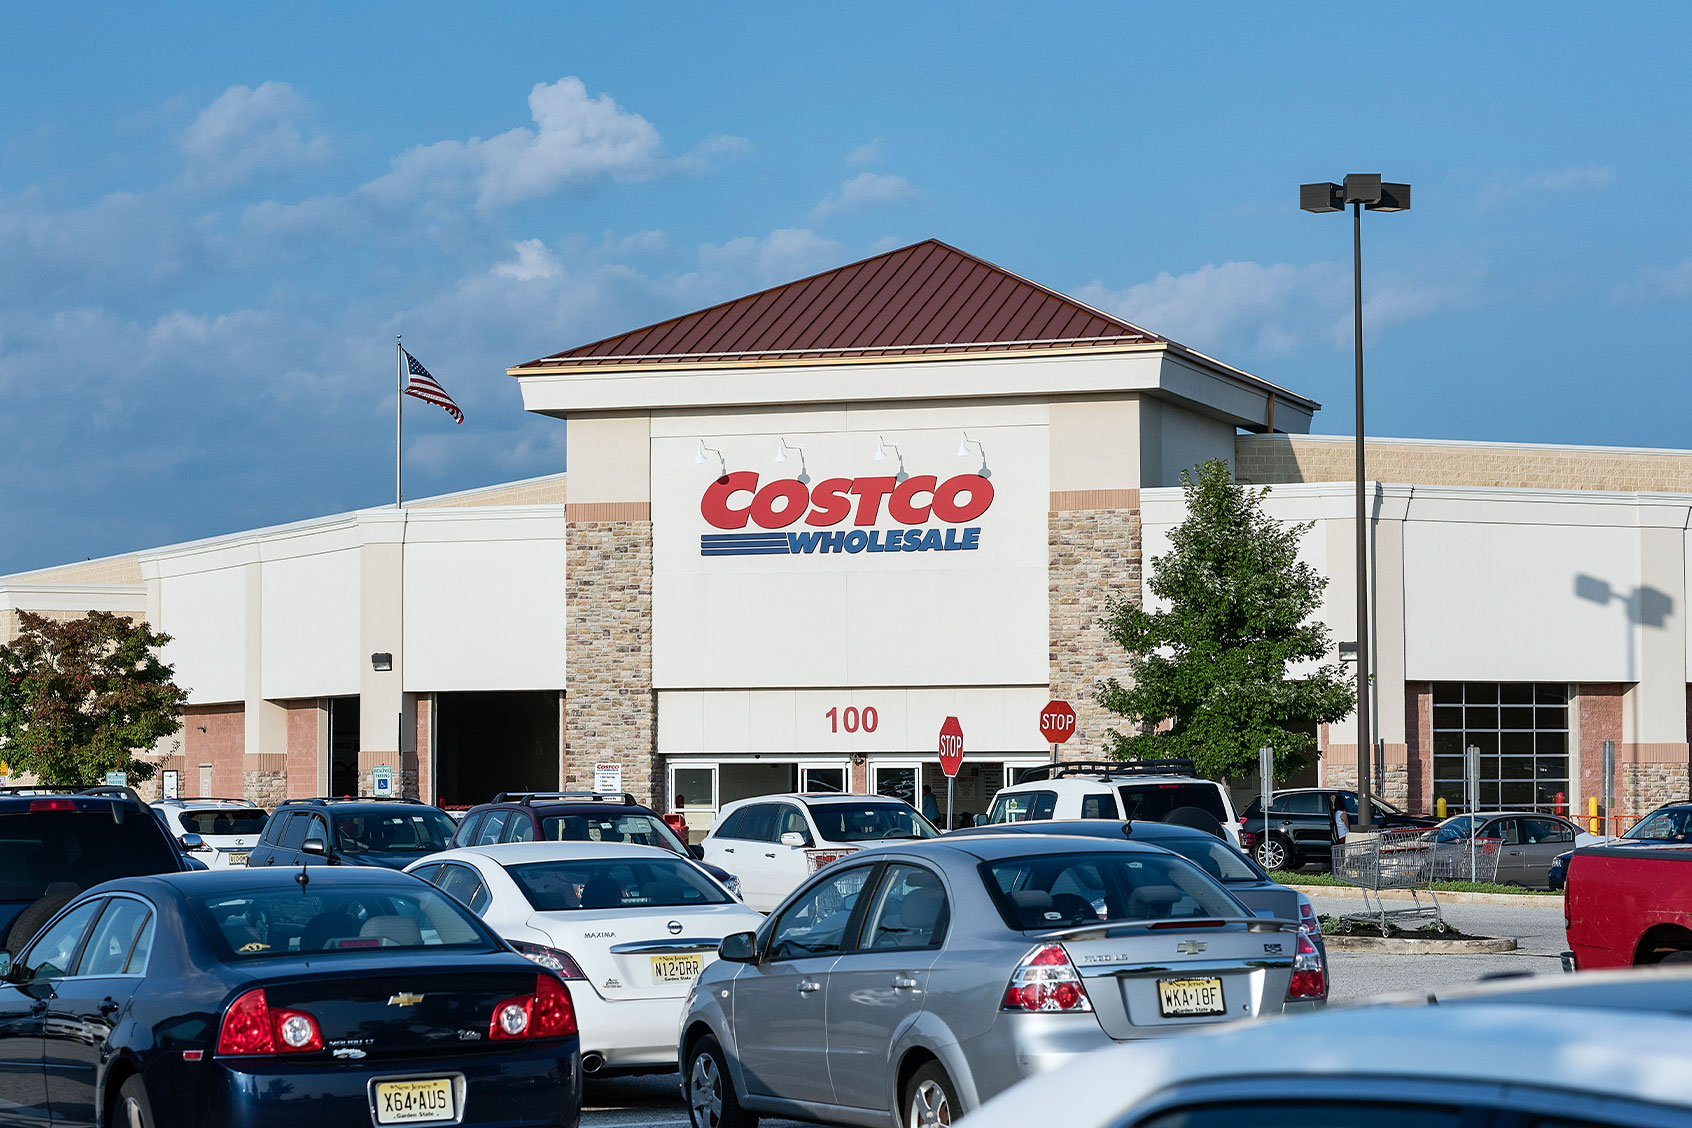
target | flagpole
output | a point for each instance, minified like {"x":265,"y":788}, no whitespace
{"x":399,"y":408}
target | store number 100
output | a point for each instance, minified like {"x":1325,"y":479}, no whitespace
{"x":852,"y":719}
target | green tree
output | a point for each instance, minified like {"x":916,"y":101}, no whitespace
{"x":79,"y":697}
{"x":1239,"y":610}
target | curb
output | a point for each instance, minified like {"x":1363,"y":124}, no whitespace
{"x":1351,"y":892}
{"x":1406,"y":946}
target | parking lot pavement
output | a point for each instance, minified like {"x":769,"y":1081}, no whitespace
{"x":1538,"y":932}
{"x":635,"y":1102}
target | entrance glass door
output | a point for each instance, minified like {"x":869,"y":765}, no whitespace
{"x":693,"y":793}
{"x":896,"y":779}
{"x":823,"y":777}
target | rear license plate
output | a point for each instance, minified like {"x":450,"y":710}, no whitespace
{"x":415,"y":1102}
{"x":239,"y":858}
{"x":677,"y":969}
{"x":1184,"y":998}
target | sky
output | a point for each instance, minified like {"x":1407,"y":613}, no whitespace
{"x":215,"y":218}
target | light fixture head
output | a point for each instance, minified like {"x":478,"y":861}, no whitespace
{"x":963,"y":447}
{"x":1362,"y":188}
{"x":880,"y":450}
{"x":1394,"y":197}
{"x":1323,"y":197}
{"x":382,"y":662}
{"x":699,"y":455}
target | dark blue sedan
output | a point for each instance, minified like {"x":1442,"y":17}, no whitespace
{"x":280,"y":997}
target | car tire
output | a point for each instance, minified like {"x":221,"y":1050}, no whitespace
{"x":1678,"y":957}
{"x":134,"y":1110}
{"x":930,"y":1100}
{"x":1274,"y":853}
{"x":711,"y":1099}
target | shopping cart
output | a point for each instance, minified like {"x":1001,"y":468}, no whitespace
{"x":1393,"y":859}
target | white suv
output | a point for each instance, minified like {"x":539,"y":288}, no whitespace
{"x":1151,"y":790}
{"x":228,"y":828}
{"x":774,"y":842}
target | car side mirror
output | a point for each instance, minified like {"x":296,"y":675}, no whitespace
{"x":981,"y":819}
{"x":742,"y":947}
{"x":5,"y":966}
{"x":697,"y":852}
{"x":315,"y":846}
{"x":794,"y":838}
{"x":192,"y":842}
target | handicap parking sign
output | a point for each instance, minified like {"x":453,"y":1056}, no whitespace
{"x":382,"y":781}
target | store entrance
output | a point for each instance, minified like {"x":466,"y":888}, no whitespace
{"x":343,"y":746}
{"x":486,"y":743}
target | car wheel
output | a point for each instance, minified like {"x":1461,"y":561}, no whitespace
{"x":711,"y":1101}
{"x":133,"y":1108}
{"x":1272,"y":853}
{"x":930,"y":1101}
{"x":1679,"y":957}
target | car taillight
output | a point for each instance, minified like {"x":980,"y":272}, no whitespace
{"x":1248,"y":840}
{"x":1307,"y":917}
{"x":817,"y":859}
{"x":551,"y":959}
{"x":1309,"y":980}
{"x":52,"y":805}
{"x":548,"y":1013}
{"x":1046,"y":981}
{"x":251,"y":1027}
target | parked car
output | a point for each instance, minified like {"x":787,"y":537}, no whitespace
{"x":629,"y":927}
{"x":577,"y":816}
{"x":1241,"y":876}
{"x":1477,"y":1065}
{"x":1629,"y":903}
{"x":1672,"y":822}
{"x":228,"y":829}
{"x":774,"y":842}
{"x":1301,"y":825}
{"x":352,"y":832}
{"x":56,"y":842}
{"x":916,"y":981}
{"x":1119,"y":790}
{"x":279,"y":998}
{"x":1529,"y":842}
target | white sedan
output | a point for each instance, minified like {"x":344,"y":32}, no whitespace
{"x":631,"y":928}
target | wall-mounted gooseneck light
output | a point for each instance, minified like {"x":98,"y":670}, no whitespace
{"x":699,"y":456}
{"x":963,"y":452}
{"x":782,"y":447}
{"x":881,"y":449}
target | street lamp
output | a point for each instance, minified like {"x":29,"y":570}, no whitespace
{"x":1362,"y":191}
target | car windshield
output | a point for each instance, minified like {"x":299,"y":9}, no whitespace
{"x":226,"y":820}
{"x":615,"y":883}
{"x":416,"y":830}
{"x":294,"y":921}
{"x":865,"y":822}
{"x":638,"y":830}
{"x":1214,"y":857}
{"x":41,"y":848}
{"x":1062,"y":890}
{"x":1672,"y":825}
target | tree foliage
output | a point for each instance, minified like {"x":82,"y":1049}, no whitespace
{"x":1239,"y":610}
{"x":79,"y":697}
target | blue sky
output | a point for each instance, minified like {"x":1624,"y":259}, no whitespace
{"x":214,"y":218}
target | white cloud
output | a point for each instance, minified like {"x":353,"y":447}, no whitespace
{"x":1656,"y":284}
{"x":533,"y":261}
{"x":248,"y":131}
{"x":865,"y":190}
{"x":1501,"y":191}
{"x":780,"y":256}
{"x":866,"y":154}
{"x":1275,"y":309}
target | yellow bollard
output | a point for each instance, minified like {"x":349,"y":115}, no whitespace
{"x":1439,"y":807}
{"x":1592,"y":814}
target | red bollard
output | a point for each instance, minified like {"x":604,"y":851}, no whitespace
{"x":1562,"y":806}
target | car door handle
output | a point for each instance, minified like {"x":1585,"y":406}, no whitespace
{"x":806,"y":986}
{"x":769,"y":855}
{"x":904,"y":983}
{"x":38,"y":1008}
{"x":109,"y":1005}
{"x":728,"y":849}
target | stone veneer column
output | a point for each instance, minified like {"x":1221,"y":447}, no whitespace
{"x":1092,"y":552}
{"x":610,"y":709}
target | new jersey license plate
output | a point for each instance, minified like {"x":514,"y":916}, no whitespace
{"x":415,"y":1102}
{"x":677,"y":969}
{"x":238,"y":858}
{"x":1185,"y":998}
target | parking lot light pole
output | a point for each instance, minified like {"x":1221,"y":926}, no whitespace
{"x":1362,"y":191}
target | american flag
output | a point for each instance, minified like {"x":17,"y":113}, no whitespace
{"x":424,"y":387}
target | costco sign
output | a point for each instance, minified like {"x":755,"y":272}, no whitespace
{"x":791,"y":518}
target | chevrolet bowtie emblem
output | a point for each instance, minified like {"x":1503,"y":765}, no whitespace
{"x":1191,"y":947}
{"x":409,"y":1000}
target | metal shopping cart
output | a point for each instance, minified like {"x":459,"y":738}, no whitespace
{"x":1411,"y":860}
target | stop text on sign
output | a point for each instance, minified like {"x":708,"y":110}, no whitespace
{"x":853,"y":719}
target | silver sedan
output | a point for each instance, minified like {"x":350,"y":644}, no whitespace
{"x":907,"y":985}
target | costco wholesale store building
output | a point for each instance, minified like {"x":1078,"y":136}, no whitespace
{"x":802,"y":528}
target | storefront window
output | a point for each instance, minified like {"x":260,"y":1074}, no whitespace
{"x":1522,"y":731}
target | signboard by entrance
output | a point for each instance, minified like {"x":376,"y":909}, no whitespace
{"x":608,"y":778}
{"x":951,"y":746}
{"x":172,"y":784}
{"x":117,"y":779}
{"x":1057,"y":722}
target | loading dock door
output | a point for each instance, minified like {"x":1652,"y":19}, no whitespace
{"x":486,"y":743}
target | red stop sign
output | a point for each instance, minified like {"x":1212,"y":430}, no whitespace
{"x":1057,"y":722}
{"x":951,"y":746}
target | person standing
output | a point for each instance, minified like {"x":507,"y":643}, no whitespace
{"x":930,"y":808}
{"x":1342,"y":824}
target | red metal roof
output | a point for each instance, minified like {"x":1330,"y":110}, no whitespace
{"x":922,"y":299}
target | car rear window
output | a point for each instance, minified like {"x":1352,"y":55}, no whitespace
{"x":232,"y":820}
{"x":414,"y":831}
{"x":40,"y":848}
{"x":869,"y":822}
{"x":1214,"y":857}
{"x":639,"y":830}
{"x":615,"y":883}
{"x":1051,"y":891}
{"x":290,"y":922}
{"x":1154,"y":801}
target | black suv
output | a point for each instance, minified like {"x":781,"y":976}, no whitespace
{"x":577,"y":816}
{"x":57,"y":841}
{"x":352,"y":832}
{"x":1301,"y":825}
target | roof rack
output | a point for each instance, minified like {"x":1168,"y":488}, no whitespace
{"x":208,"y":799}
{"x":527,"y":798}
{"x":1104,"y":769}
{"x":325,"y":800}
